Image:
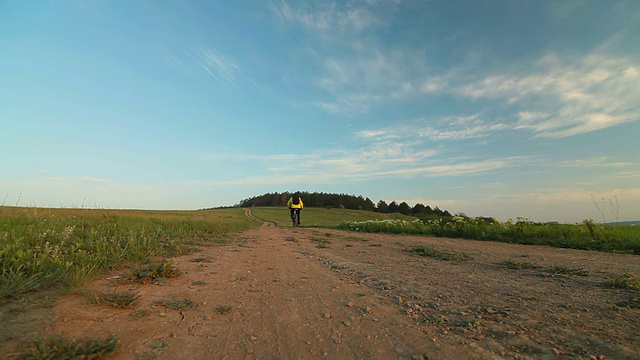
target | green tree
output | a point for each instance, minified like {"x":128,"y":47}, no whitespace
{"x":382,"y":206}
{"x":404,"y":208}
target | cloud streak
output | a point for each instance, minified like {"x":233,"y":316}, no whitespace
{"x":218,"y":66}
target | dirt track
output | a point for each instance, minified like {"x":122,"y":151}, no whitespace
{"x":282,"y":293}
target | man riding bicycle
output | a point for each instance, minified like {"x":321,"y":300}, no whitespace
{"x":295,"y":205}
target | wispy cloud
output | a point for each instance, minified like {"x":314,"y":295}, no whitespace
{"x":444,"y":128}
{"x":329,"y":17}
{"x":380,"y":157}
{"x":561,"y":97}
{"x":356,"y":70}
{"x":218,"y":66}
{"x":367,"y":76}
{"x":597,"y":162}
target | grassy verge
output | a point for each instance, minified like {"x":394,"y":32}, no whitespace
{"x":586,"y":236}
{"x":41,"y":248}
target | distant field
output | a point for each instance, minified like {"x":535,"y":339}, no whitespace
{"x":322,"y":217}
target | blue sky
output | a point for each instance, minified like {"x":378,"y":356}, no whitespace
{"x":491,"y":108}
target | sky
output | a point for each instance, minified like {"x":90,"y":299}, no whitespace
{"x":495,"y":108}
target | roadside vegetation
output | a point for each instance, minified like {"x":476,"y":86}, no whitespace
{"x":586,"y":236}
{"x":65,"y":248}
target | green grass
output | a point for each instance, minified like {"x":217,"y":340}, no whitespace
{"x":117,"y":299}
{"x":427,"y":251}
{"x":624,"y":281}
{"x":64,"y":248}
{"x":178,"y":304}
{"x":567,"y":270}
{"x":64,"y":348}
{"x":585,"y":236}
{"x":632,"y":303}
{"x":224,"y":309}
{"x":153,"y":271}
{"x":517,"y":265}
{"x":320,"y":217}
{"x":321,"y":243}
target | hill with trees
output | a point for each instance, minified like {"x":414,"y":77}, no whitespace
{"x":344,"y":201}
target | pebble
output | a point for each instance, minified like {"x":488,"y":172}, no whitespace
{"x":326,"y":316}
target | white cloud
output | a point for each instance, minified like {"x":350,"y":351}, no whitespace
{"x":382,"y":133}
{"x":563,"y":97}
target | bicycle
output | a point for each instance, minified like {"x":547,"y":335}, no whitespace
{"x":295,"y":217}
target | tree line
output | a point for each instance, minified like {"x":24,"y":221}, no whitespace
{"x":344,"y":201}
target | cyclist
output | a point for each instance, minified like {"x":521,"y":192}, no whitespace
{"x":295,"y":205}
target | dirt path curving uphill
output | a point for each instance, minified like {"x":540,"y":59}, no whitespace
{"x":282,"y":293}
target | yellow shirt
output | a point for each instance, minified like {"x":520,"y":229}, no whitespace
{"x":291,"y":205}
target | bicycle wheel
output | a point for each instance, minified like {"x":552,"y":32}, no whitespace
{"x":295,"y":217}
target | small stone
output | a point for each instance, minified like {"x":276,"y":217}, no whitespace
{"x":368,"y":310}
{"x":326,"y":316}
{"x":350,"y":304}
{"x":253,"y":338}
{"x":346,"y":323}
{"x":162,"y":314}
{"x":417,"y":357}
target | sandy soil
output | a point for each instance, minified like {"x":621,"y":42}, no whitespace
{"x":282,"y":293}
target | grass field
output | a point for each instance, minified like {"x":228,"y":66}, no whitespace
{"x":322,"y":217}
{"x":64,"y":248}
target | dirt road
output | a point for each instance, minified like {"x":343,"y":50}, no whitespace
{"x":282,"y":293}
